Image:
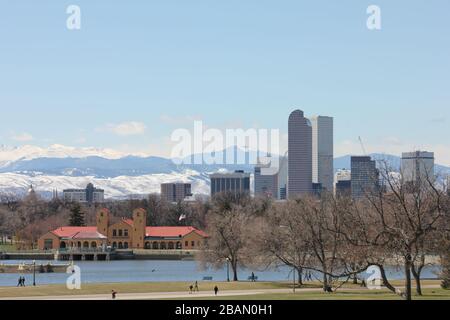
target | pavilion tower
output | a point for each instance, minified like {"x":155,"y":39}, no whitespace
{"x":139,"y":225}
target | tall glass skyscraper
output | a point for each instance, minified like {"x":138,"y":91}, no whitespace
{"x":365,"y":176}
{"x":322,"y":152}
{"x":300,"y":155}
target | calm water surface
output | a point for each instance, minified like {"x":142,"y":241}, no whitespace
{"x":158,"y":270}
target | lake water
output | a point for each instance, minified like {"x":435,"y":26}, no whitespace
{"x":154,"y":270}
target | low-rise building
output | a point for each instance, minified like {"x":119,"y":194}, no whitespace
{"x":175,"y":192}
{"x":235,"y":182}
{"x":90,"y":195}
{"x":124,"y":234}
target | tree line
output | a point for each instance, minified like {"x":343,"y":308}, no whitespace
{"x":400,"y":224}
{"x":23,"y":221}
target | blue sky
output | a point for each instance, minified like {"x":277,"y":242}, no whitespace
{"x":148,"y":67}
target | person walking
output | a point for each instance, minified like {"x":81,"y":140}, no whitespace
{"x":191,"y":287}
{"x":19,"y":281}
{"x":113,"y":294}
{"x":196,"y":286}
{"x":216,"y":290}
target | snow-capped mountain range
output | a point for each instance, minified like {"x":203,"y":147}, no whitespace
{"x":29,"y":152}
{"x":119,"y":174}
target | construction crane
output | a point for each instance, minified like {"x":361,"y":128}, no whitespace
{"x":362,"y":146}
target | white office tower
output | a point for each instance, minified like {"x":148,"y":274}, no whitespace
{"x":417,"y":166}
{"x":322,"y":151}
{"x":283,"y":178}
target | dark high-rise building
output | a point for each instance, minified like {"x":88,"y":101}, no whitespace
{"x":300,"y":155}
{"x":364,"y":176}
{"x":175,"y":192}
{"x":236,"y":182}
{"x":317,"y":189}
{"x":343,"y":188}
{"x":266,"y":184}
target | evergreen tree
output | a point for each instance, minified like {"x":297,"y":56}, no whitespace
{"x":76,"y":216}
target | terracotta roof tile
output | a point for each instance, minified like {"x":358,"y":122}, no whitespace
{"x":171,"y":231}
{"x":69,"y":232}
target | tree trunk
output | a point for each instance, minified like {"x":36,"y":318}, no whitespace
{"x":325,"y":282}
{"x":386,"y":282}
{"x":416,"y":275}
{"x":234,"y":267}
{"x":300,"y":275}
{"x":445,"y":284}
{"x":408,"y":295}
{"x":355,"y":276}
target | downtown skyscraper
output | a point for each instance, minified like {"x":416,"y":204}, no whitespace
{"x":300,"y":155}
{"x":322,"y":152}
{"x":417,"y":166}
{"x":364,"y":176}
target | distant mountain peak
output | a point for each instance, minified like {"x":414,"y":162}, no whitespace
{"x":30,"y":152}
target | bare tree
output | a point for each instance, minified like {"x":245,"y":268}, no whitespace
{"x":280,"y":239}
{"x":308,"y":234}
{"x":228,"y":228}
{"x":405,"y":215}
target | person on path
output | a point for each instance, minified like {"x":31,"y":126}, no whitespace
{"x":196,"y":286}
{"x":216,"y":290}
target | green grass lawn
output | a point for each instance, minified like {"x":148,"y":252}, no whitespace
{"x":57,"y":290}
{"x":148,"y":287}
{"x":428,"y":294}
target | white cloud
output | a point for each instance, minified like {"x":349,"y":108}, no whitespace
{"x":22,"y":137}
{"x":130,"y":128}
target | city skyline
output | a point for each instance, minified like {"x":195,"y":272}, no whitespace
{"x":128,"y":84}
